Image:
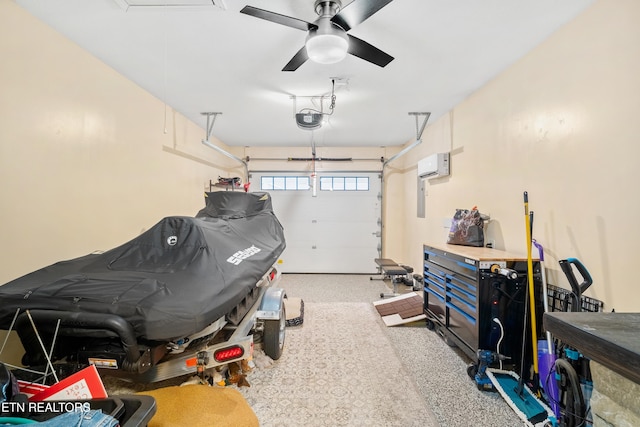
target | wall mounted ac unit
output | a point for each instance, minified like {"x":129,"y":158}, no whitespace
{"x":434,"y":166}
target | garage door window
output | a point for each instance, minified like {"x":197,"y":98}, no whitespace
{"x":344,"y":183}
{"x":290,"y":183}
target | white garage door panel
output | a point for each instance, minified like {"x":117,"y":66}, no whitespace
{"x":333,"y":232}
{"x":362,"y":234}
{"x":335,"y":261}
{"x":294,"y":205}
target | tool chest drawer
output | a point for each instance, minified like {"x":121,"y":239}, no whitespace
{"x":451,"y":288}
{"x":462,"y":297}
{"x":435,"y":290}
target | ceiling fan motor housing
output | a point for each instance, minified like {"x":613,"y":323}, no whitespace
{"x":327,"y":43}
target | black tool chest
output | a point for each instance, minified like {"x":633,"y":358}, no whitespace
{"x":462,"y":296}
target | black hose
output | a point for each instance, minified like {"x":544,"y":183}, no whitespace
{"x":574,"y":414}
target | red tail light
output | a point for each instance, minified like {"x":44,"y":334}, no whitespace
{"x":228,"y":353}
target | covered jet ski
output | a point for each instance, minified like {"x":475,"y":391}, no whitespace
{"x":172,"y":281}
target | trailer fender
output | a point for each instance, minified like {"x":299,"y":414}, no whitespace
{"x":271,"y":304}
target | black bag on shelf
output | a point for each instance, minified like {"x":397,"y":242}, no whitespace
{"x":467,"y":228}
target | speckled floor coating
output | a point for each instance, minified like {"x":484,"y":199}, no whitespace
{"x":439,"y":371}
{"x":338,"y":369}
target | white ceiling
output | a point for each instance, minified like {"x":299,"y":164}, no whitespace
{"x":215,"y":59}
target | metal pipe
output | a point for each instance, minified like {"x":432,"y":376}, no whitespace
{"x":320,"y":159}
{"x":211,"y":120}
{"x":405,"y":150}
{"x":44,"y":350}
{"x":281,"y":171}
{"x":402,"y":152}
{"x":285,"y":159}
{"x":419,"y":131}
{"x":231,"y":156}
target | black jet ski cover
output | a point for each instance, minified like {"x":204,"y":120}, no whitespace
{"x":171,"y":281}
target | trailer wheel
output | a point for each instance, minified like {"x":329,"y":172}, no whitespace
{"x":273,"y":335}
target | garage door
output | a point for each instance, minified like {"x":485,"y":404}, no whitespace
{"x":331,"y":224}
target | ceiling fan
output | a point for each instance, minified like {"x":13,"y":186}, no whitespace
{"x":327,"y":39}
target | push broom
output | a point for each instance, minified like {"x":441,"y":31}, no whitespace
{"x":519,"y":397}
{"x":532,"y":299}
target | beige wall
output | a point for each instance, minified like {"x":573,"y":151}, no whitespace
{"x":562,"y":124}
{"x":87,"y":159}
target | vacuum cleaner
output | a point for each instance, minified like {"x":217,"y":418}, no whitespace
{"x":572,"y":373}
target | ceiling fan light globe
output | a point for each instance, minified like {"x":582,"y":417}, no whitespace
{"x":327,"y":48}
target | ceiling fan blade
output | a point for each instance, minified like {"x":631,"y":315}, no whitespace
{"x":296,"y":23}
{"x":364,"y":50}
{"x":297,"y":60}
{"x":357,"y":11}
